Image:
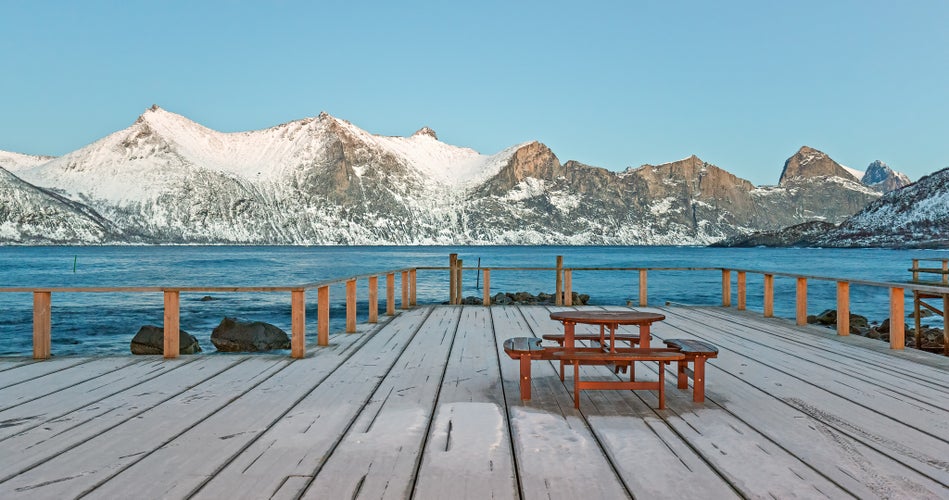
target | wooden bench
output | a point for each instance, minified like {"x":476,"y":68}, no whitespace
{"x":695,"y":352}
{"x":525,"y":350}
{"x":578,"y":357}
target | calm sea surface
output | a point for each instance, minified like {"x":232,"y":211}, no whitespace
{"x":87,"y":323}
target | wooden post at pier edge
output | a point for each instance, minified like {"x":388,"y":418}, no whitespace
{"x":351,"y":306}
{"x":843,"y":308}
{"x":297,"y":324}
{"x":559,"y":286}
{"x":768,"y":295}
{"x":413,"y":276}
{"x":801,"y":301}
{"x":742,"y":290}
{"x":373,"y":299}
{"x":915,"y":270}
{"x":459,"y":291}
{"x":171,"y":324}
{"x":897,"y":317}
{"x":726,"y":288}
{"x":323,"y":316}
{"x":487,"y":287}
{"x":643,"y":288}
{"x":390,"y":294}
{"x":42,"y":325}
{"x":452,"y":262}
{"x":945,"y":324}
{"x":405,"y":290}
{"x":568,"y":287}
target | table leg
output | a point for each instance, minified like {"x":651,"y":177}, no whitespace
{"x":683,"y":382}
{"x":644,"y":335}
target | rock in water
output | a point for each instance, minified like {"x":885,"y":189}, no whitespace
{"x":150,"y":339}
{"x":233,"y":335}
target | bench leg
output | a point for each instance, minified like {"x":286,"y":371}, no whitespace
{"x":698,"y":380}
{"x":526,"y":378}
{"x":683,"y":375}
{"x":662,"y":385}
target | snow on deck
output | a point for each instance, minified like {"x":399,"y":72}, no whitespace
{"x":427,"y":405}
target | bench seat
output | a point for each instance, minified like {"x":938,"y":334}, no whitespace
{"x":577,"y":357}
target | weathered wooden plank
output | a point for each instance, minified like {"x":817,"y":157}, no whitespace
{"x":468,"y":451}
{"x":378,"y":455}
{"x":817,"y":393}
{"x":30,"y":449}
{"x":82,"y":468}
{"x":181,"y":466}
{"x":57,"y":380}
{"x":881,"y":370}
{"x":34,"y":369}
{"x":300,"y":441}
{"x":556,"y":452}
{"x":57,"y":405}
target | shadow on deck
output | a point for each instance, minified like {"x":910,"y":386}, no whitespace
{"x":424,"y":406}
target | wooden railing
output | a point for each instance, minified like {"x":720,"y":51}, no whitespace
{"x":42,"y":310}
{"x":897,"y":299}
{"x":42,"y":298}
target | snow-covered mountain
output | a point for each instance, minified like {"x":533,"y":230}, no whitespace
{"x":881,"y":177}
{"x":322,"y":180}
{"x":31,"y":215}
{"x":15,"y":162}
{"x":916,"y":215}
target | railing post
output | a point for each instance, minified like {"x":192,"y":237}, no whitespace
{"x":487,"y":287}
{"x":726,"y":288}
{"x":171,"y":346}
{"x":42,"y":325}
{"x":643,"y":289}
{"x":742,"y":290}
{"x":897,"y":313}
{"x":568,"y":287}
{"x":843,"y":308}
{"x":452,"y":262}
{"x":412,"y":280}
{"x":801,"y":301}
{"x":768,"y":295}
{"x":373,"y":299}
{"x":558,"y":300}
{"x":390,"y":294}
{"x":945,"y":270}
{"x":298,"y":324}
{"x":405,"y":290}
{"x":351,"y":306}
{"x":323,"y":315}
{"x":915,"y":270}
{"x":459,"y":289}
{"x":945,"y":324}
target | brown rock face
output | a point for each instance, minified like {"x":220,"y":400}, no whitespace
{"x":809,"y":162}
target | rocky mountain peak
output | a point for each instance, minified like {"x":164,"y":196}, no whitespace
{"x":809,"y":162}
{"x":880,"y":176}
{"x":426,"y":131}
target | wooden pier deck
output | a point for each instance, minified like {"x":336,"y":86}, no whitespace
{"x":424,"y":406}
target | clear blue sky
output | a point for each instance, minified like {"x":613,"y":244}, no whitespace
{"x":614,"y":84}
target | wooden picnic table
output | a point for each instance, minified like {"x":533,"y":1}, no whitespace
{"x":608,"y":319}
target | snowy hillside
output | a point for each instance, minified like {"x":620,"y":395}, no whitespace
{"x":15,"y":162}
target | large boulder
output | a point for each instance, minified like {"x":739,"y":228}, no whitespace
{"x":233,"y":335}
{"x":150,"y":339}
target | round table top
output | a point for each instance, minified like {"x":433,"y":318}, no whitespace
{"x":607,"y":317}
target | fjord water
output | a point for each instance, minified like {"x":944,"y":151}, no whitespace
{"x":100,"y":323}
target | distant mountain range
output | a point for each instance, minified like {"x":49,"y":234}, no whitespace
{"x":168,"y":180}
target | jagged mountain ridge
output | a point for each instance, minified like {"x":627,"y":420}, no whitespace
{"x":322,"y":180}
{"x":881,"y":177}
